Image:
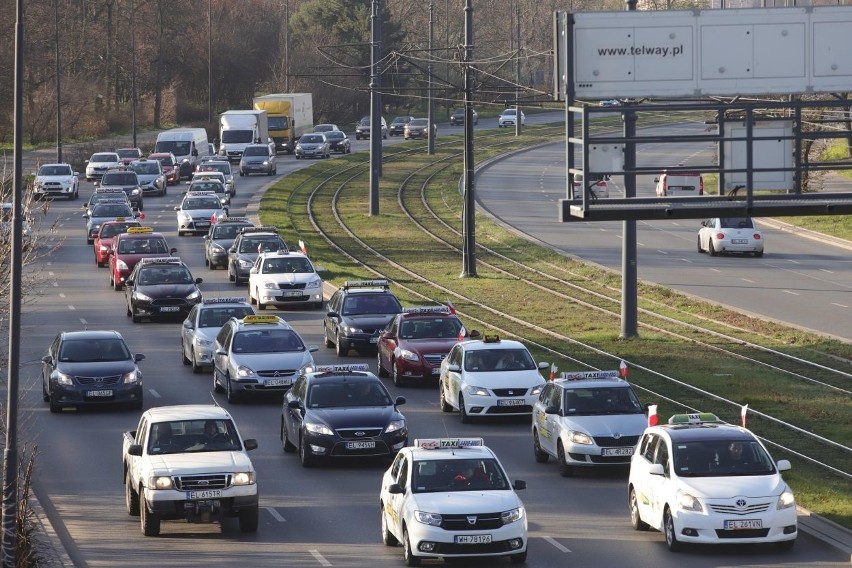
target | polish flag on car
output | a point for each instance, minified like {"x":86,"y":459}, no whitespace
{"x":653,"y":419}
{"x":622,"y":369}
{"x":553,"y":371}
{"x":743,"y":412}
{"x":462,"y":333}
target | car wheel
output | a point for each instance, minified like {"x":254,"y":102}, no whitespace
{"x":328,"y":342}
{"x":635,"y":519}
{"x":380,"y":370}
{"x":45,"y":396}
{"x":673,"y":544}
{"x":407,"y":556}
{"x":565,"y":470}
{"x":442,"y":398}
{"x":518,"y":558}
{"x":397,"y":378}
{"x":304,"y":455}
{"x":711,"y":249}
{"x":387,"y":537}
{"x":196,"y":368}
{"x":286,"y":444}
{"x":340,"y":348}
{"x":230,"y":276}
{"x":249,"y":519}
{"x":150,"y":522}
{"x":230,"y":395}
{"x":699,"y":245}
{"x":216,"y":386}
{"x":540,"y":455}
{"x":465,"y":417}
{"x":89,"y":241}
{"x":54,"y":407}
{"x":184,"y":359}
{"x":131,"y":498}
{"x":99,"y":263}
{"x":759,"y":254}
{"x":785,"y":544}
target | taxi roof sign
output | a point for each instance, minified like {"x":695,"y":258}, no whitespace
{"x":694,"y":418}
{"x":448,"y":443}
{"x":264,"y":229}
{"x":341,"y":368}
{"x":261,"y":319}
{"x":427,"y":310}
{"x":380,"y":283}
{"x":138,"y":230}
{"x":491,"y":339}
{"x":234,"y":220}
{"x":581,"y":375}
{"x":235,"y":300}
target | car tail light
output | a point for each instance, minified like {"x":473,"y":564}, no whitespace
{"x":701,"y":186}
{"x":665,"y":186}
{"x":720,"y":236}
{"x":756,"y":236}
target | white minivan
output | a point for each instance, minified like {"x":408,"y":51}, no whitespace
{"x":188,"y":145}
{"x":679,"y":184}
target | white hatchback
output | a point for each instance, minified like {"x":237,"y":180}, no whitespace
{"x":725,"y":235}
{"x":284,"y":278}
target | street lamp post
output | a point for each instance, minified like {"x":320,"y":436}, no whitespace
{"x":209,"y":61}
{"x":133,"y":68}
{"x":58,"y":83}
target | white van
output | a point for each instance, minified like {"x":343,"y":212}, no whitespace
{"x":680,"y":184}
{"x":188,"y":145}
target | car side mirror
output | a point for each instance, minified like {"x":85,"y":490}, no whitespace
{"x":783,"y":465}
{"x":395,"y":489}
{"x":46,"y":359}
{"x":129,"y":282}
{"x":199,"y":280}
{"x":138,"y":357}
{"x":253,"y":270}
{"x":134,"y":449}
{"x":250,"y":444}
{"x":177,"y":207}
{"x":195,"y":152}
{"x":656,"y":469}
{"x":543,"y":364}
{"x":453,"y":367}
{"x":399,"y":400}
{"x":294,"y":404}
{"x":187,"y":324}
{"x":232,"y":249}
{"x":85,"y":215}
{"x":172,"y":250}
{"x":519,"y":484}
{"x":551,"y":410}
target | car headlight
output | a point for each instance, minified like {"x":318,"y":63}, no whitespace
{"x":94,"y":227}
{"x":409,"y":355}
{"x":121,"y":265}
{"x":201,"y":342}
{"x":244,"y":372}
{"x":477,"y":391}
{"x":394,"y":426}
{"x":242,"y":163}
{"x":580,"y":438}
{"x":433,"y":519}
{"x":266,"y":162}
{"x":314,"y":284}
{"x":319,"y":429}
{"x":786,"y":500}
{"x":512,"y":516}
{"x":64,"y":379}
{"x":160,"y":482}
{"x":194,"y":295}
{"x":535,"y":391}
{"x":130,"y":377}
{"x":351,"y":329}
{"x":136,"y":191}
{"x":688,"y":502}
{"x":142,"y":297}
{"x":217,"y":247}
{"x":244,"y":478}
{"x":270,"y":285}
{"x":245,"y":263}
{"x":183,"y":216}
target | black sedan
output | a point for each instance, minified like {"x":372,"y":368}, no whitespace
{"x":90,"y":367}
{"x":340,"y":411}
{"x":161,"y":287}
{"x":338,"y":141}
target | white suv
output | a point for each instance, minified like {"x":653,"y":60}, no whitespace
{"x":55,"y":180}
{"x":284,"y":278}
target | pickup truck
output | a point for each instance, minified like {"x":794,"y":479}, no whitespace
{"x":189,"y":462}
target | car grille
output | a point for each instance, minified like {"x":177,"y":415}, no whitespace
{"x":202,"y":482}
{"x":516,"y":392}
{"x":609,"y":442}
{"x":748,"y":533}
{"x":525,"y":409}
{"x":601,"y":459}
{"x":349,"y":433}
{"x":99,"y":381}
{"x":435,"y":359}
{"x":449,"y":548}
{"x":484,"y":521}
{"x":168,"y":302}
{"x":733,"y":510}
{"x":51,"y":185}
{"x":286,"y":286}
{"x":276,"y":373}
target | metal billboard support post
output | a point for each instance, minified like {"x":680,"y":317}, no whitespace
{"x":375,"y":110}
{"x":469,"y":220}
{"x":430,"y":148}
{"x":629,"y":260}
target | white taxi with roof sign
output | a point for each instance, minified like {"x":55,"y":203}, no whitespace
{"x":700,"y":480}
{"x":587,"y":419}
{"x":203,"y":323}
{"x":452,"y":498}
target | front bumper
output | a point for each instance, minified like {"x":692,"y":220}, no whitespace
{"x":431,"y":542}
{"x":174,"y":504}
{"x":194,"y":225}
{"x":592,"y":455}
{"x":159,"y":308}
{"x":262,"y":385}
{"x":290,"y":297}
{"x":255,"y":168}
{"x":709,"y":527}
{"x":97,"y":394}
{"x":360,"y":341}
{"x":477,"y":405}
{"x":369,"y":446}
{"x":53,"y":190}
{"x":421,"y":369}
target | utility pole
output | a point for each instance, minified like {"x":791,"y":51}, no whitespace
{"x":430,"y":148}
{"x":209,"y":61}
{"x":469,"y":221}
{"x":58,"y":83}
{"x":133,"y":68}
{"x":629,"y":268}
{"x":518,"y":126}
{"x":286,"y":46}
{"x":375,"y":110}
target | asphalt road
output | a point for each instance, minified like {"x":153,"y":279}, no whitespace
{"x":320,"y":517}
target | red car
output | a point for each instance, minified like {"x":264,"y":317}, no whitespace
{"x":171,"y":168}
{"x":412,"y":346}
{"x":128,"y":248}
{"x":104,"y":238}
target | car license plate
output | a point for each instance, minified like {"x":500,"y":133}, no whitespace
{"x":739,"y":241}
{"x":169,"y":308}
{"x":473,"y":539}
{"x":360,"y":445}
{"x":277,"y":382}
{"x":292,"y":293}
{"x":374,"y":339}
{"x":436,"y":370}
{"x":511,"y":402}
{"x":617,"y":451}
{"x":99,"y":394}
{"x":202,"y":224}
{"x":744,"y":524}
{"x":208,"y":494}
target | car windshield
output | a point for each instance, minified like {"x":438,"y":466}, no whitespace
{"x":490,"y":360}
{"x":195,"y":203}
{"x":166,"y":161}
{"x":346,"y":394}
{"x":176,"y":147}
{"x":267,"y":341}
{"x":401,"y":119}
{"x":419,"y":122}
{"x":128,"y":153}
{"x":509,"y":112}
{"x":256,"y":151}
{"x":603,"y":400}
{"x":103,"y":158}
{"x":216,"y":167}
{"x":431,"y":476}
{"x":180,"y":436}
{"x":113,"y":229}
{"x":311,"y":139}
{"x":324,"y":128}
{"x":736,"y":223}
{"x":292,"y":265}
{"x":458,"y":112}
{"x":147,"y":168}
{"x":214,"y":186}
{"x":721,"y":458}
{"x":225,"y":231}
{"x":237,"y":137}
{"x":55,"y":171}
{"x":93,"y":350}
{"x":219,"y":315}
{"x":122,"y":178}
{"x":261,"y":245}
{"x":143,"y":246}
{"x":111,"y":210}
{"x":163,"y":274}
{"x":360,"y":304}
{"x":336,"y":135}
{"x":278,"y":123}
{"x":430,"y":328}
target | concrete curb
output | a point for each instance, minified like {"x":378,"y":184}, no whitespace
{"x":826,"y":530}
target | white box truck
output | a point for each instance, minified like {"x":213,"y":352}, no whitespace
{"x":188,"y":145}
{"x":238,"y":129}
{"x":290,"y":116}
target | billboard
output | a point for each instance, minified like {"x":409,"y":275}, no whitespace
{"x":752,"y":51}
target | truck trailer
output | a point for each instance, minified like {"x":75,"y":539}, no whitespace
{"x":238,"y":129}
{"x":290,"y":116}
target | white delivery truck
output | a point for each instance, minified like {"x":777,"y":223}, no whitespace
{"x":188,"y":145}
{"x":238,"y":129}
{"x":290,"y":116}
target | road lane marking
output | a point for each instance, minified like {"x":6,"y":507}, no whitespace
{"x":154,"y":393}
{"x":275,"y":514}
{"x":71,"y":307}
{"x":61,"y":295}
{"x":747,"y":280}
{"x":56,"y":284}
{"x":715,"y":270}
{"x":662,"y":251}
{"x":839,"y":305}
{"x":794,"y":261}
{"x":320,"y":558}
{"x":686,"y":260}
{"x":50,"y":274}
{"x":556,"y":544}
{"x":827,"y":270}
{"x":83,"y":321}
{"x":791,"y":292}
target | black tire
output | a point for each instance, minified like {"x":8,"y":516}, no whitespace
{"x":445,"y":406}
{"x":519,"y":558}
{"x":407,"y":556}
{"x":249,"y":519}
{"x":672,"y":543}
{"x":340,"y":348}
{"x":196,"y":368}
{"x":465,"y":417}
{"x":230,"y":395}
{"x":380,"y":370}
{"x":131,"y":498}
{"x":699,"y":245}
{"x":260,"y":305}
{"x":45,"y":396}
{"x":397,"y":378}
{"x":89,"y":241}
{"x":711,"y":249}
{"x":216,"y":386}
{"x":304,"y":455}
{"x":286,"y":444}
{"x":540,"y":455}
{"x":387,"y":537}
{"x":635,"y":519}
{"x":328,"y":342}
{"x":565,"y":470}
{"x":149,"y":521}
{"x":184,"y":359}
{"x":785,"y":544}
{"x":759,"y":254}
{"x":54,"y":407}
{"x":99,"y":263}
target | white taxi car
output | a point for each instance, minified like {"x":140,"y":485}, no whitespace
{"x":284,"y":278}
{"x":451,"y":498}
{"x":490,"y":377}
{"x":587,"y":419}
{"x":700,"y":480}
